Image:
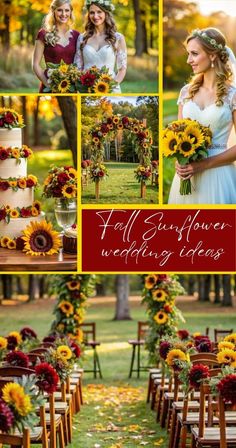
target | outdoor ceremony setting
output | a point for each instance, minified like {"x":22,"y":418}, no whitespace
{"x":38,"y":183}
{"x":204,"y":23}
{"x":119,"y":150}
{"x":136,"y":23}
{"x":118,"y":361}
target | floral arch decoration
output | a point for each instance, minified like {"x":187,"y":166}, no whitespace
{"x":72,"y":292}
{"x":143,"y":147}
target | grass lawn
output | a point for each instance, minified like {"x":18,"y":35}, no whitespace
{"x":120,"y":187}
{"x":115,"y":413}
{"x":139,"y":87}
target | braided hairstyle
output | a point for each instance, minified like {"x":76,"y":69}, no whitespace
{"x":213,"y":42}
{"x":110,"y":28}
{"x":49,"y":23}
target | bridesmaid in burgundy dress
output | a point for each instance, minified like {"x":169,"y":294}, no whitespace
{"x":56,"y":40}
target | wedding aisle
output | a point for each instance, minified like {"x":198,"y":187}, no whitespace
{"x":115,"y":415}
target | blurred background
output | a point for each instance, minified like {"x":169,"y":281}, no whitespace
{"x":180,"y":17}
{"x":20,"y":21}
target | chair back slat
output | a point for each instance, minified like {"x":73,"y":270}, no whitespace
{"x":89,"y":331}
{"x":143,"y":328}
{"x":220,"y":334}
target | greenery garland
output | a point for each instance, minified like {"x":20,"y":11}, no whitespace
{"x":72,"y":292}
{"x":159,"y":293}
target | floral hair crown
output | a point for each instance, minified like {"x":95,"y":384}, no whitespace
{"x":209,"y":40}
{"x":106,"y":4}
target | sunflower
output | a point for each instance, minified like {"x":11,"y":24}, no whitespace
{"x":116,"y":120}
{"x":14,"y":395}
{"x":175,"y":355}
{"x":195,"y":134}
{"x":147,"y":133}
{"x":79,"y":335}
{"x":33,"y":178}
{"x":231,"y":338}
{"x":73,"y":285}
{"x":105,"y":77}
{"x":66,"y":308}
{"x":135,"y":129}
{"x":226,"y":356}
{"x":41,"y":239}
{"x":15,"y":153}
{"x":34,"y":211}
{"x":16,"y":335}
{"x":72,"y":173}
{"x":13,"y":183}
{"x":37,"y":205}
{"x":64,"y":351}
{"x":48,"y":180}
{"x":161,"y":317}
{"x":96,"y":140}
{"x":3,"y":343}
{"x":150,"y":281}
{"x":159,"y":295}
{"x":186,"y":145}
{"x":14,"y":213}
{"x":145,"y":145}
{"x":69,"y":191}
{"x":225,"y":344}
{"x":64,"y":86}
{"x":22,"y":183}
{"x":170,"y":144}
{"x":101,"y":87}
{"x":11,"y":244}
{"x":4,"y":241}
{"x":120,"y":126}
{"x":64,"y":68}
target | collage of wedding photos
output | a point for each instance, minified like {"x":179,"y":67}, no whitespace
{"x":117,"y":223}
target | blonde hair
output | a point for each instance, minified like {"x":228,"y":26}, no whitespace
{"x":213,"y":42}
{"x":49,"y":23}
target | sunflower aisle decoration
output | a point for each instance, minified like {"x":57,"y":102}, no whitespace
{"x":187,"y":141}
{"x":159,"y":295}
{"x":71,"y":292}
{"x":41,"y":239}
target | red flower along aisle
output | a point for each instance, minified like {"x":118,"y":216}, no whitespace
{"x":143,"y":148}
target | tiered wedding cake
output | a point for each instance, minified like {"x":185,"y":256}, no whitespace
{"x":17,"y":205}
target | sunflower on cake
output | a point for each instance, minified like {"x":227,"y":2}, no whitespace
{"x":22,"y":223}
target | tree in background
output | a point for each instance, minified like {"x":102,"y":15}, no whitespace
{"x":122,"y":311}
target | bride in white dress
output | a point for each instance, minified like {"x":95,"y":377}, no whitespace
{"x":100,"y":44}
{"x":210,"y":98}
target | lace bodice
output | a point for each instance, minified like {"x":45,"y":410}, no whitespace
{"x":104,"y":56}
{"x":219,"y":118}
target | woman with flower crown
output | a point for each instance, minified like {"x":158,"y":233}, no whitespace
{"x":101,"y":45}
{"x":56,"y":41}
{"x":210,"y":98}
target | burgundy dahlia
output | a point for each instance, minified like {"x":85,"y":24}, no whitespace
{"x":3,"y":154}
{"x":11,"y":342}
{"x":183,"y":334}
{"x":17,"y":358}
{"x":227,"y":388}
{"x":30,"y":183}
{"x":50,"y":338}
{"x":47,"y":377}
{"x":25,"y":212}
{"x":197,"y":373}
{"x":164,"y":348}
{"x":4,"y":185}
{"x":204,"y":345}
{"x":62,"y":178}
{"x":76,"y":349}
{"x":3,"y":214}
{"x":9,"y":118}
{"x":6,"y":417}
{"x":28,"y":333}
{"x":84,"y":164}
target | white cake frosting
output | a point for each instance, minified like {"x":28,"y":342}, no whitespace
{"x":20,"y":198}
{"x":11,"y":137}
{"x":13,"y":168}
{"x":17,"y":225}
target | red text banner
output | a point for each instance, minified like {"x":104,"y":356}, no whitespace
{"x":165,"y":240}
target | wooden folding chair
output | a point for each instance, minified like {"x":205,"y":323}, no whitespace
{"x":89,"y":332}
{"x":142,"y":330}
{"x":220,"y":334}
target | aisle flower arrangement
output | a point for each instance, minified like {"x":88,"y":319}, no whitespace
{"x":159,"y":295}
{"x":98,"y":172}
{"x":71,"y":292}
{"x":143,"y":173}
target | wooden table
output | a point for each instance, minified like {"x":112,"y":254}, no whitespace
{"x":15,"y":260}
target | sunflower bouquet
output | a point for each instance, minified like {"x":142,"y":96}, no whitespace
{"x":61,"y":182}
{"x":187,"y":141}
{"x":98,"y":172}
{"x":95,"y":80}
{"x":62,"y":77}
{"x":159,"y":295}
{"x":18,"y":404}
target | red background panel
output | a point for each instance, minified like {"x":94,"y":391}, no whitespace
{"x":164,"y":240}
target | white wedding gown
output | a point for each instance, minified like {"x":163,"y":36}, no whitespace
{"x":216,"y":185}
{"x":105,"y":56}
